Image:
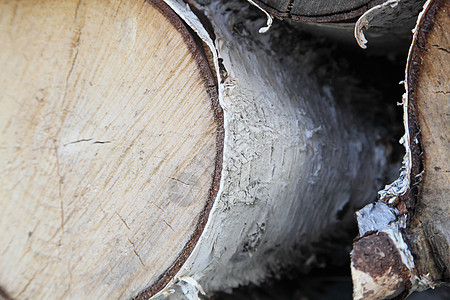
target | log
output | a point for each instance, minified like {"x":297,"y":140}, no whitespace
{"x":111,"y":147}
{"x":146,"y":152}
{"x":386,"y":24}
{"x":404,"y":238}
{"x":321,"y":11}
{"x":428,"y":89}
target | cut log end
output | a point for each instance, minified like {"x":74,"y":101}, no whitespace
{"x":110,"y":147}
{"x":419,"y":199}
{"x":428,"y":89}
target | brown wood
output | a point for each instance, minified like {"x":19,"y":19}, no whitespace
{"x":428,"y":88}
{"x":378,"y":256}
{"x":111,"y":147}
{"x":413,"y":212}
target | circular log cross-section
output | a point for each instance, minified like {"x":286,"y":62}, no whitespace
{"x":318,"y":10}
{"x":414,"y":213}
{"x":110,"y":137}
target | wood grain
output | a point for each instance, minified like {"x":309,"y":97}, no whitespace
{"x":108,"y":147}
{"x":429,"y":90}
{"x":318,"y":10}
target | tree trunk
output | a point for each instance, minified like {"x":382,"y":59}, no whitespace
{"x":405,"y":238}
{"x":145,"y":150}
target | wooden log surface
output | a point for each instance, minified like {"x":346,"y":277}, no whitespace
{"x":385,"y":24}
{"x":428,"y":77}
{"x":413,"y":214}
{"x":110,"y":137}
{"x":318,"y":10}
{"x":111,"y":150}
{"x":287,"y":181}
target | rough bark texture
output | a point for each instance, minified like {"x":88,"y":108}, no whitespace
{"x":378,"y":258}
{"x":111,"y":147}
{"x":386,"y":24}
{"x":318,"y":10}
{"x":416,"y":213}
{"x":428,"y":89}
{"x":297,"y":158}
{"x":295,"y":163}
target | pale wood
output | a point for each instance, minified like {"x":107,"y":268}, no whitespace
{"x":107,"y":147}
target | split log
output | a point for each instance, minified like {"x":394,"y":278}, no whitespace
{"x":141,"y":153}
{"x":405,"y":238}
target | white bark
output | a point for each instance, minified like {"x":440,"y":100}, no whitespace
{"x":391,"y":216}
{"x":292,"y":161}
{"x":388,"y":23}
{"x":295,"y":155}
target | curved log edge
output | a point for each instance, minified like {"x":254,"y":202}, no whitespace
{"x":388,"y":23}
{"x":287,"y":10}
{"x":205,"y":64}
{"x":198,"y":33}
{"x":205,"y":67}
{"x":428,"y":89}
{"x":410,"y":211}
{"x":250,"y":86}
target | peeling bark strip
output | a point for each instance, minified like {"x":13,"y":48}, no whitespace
{"x":287,"y":144}
{"x":131,"y":169}
{"x":321,"y":11}
{"x":378,"y":263}
{"x":416,"y":213}
{"x":386,"y":24}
